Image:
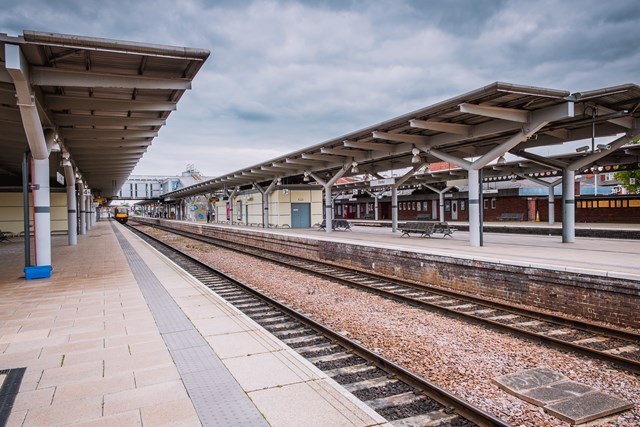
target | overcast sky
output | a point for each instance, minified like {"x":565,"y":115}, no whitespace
{"x":284,"y":75}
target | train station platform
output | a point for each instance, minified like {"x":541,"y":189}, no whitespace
{"x":119,"y":335}
{"x":613,"y":257}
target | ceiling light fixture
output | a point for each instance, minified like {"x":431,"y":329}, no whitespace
{"x":354,"y":167}
{"x":502,"y":160}
{"x":416,"y":155}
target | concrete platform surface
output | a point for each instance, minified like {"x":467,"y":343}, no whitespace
{"x":565,"y":399}
{"x":94,"y":353}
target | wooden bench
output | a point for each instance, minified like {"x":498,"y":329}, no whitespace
{"x":422,"y":228}
{"x":423,"y":217}
{"x":511,"y":217}
{"x":336,"y":224}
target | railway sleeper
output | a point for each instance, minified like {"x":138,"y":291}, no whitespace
{"x":320,"y":347}
{"x":270,"y":320}
{"x":396,"y":400}
{"x":435,"y":418}
{"x":370,"y":383}
{"x":330,"y":357}
{"x":310,"y":338}
{"x":298,"y":329}
{"x":360,"y":369}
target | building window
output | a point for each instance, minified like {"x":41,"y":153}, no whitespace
{"x":462,"y":205}
{"x":493,"y":203}
{"x":486,"y":204}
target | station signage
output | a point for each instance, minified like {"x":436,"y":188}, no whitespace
{"x":60,"y":178}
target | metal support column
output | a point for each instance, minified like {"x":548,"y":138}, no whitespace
{"x":394,"y":209}
{"x":568,"y":206}
{"x":72,"y":215}
{"x":328,"y":208}
{"x":265,"y":200}
{"x":87,"y":210}
{"x":81,"y":199}
{"x":42,"y":212}
{"x":474,"y":207}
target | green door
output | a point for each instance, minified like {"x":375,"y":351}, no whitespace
{"x":300,"y":215}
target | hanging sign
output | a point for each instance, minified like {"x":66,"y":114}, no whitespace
{"x":60,"y":178}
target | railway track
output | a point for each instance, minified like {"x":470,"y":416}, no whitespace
{"x":616,"y":346}
{"x":400,"y":396}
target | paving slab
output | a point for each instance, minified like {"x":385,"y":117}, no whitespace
{"x":526,"y":380}
{"x":567,"y":400}
{"x":587,"y":407}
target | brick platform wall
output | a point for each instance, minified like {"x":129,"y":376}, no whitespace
{"x":593,"y":298}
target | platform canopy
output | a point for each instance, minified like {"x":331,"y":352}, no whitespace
{"x":473,"y":130}
{"x":106,"y":101}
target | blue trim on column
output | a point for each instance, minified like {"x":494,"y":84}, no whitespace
{"x":569,"y":202}
{"x":41,"y":209}
{"x":474,"y":201}
{"x":71,"y":211}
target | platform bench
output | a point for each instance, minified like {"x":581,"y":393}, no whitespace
{"x":445,"y":229}
{"x":511,"y":217}
{"x":336,"y":224}
{"x":422,"y":228}
{"x":5,"y":236}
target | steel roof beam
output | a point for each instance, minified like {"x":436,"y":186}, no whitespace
{"x":323,"y":157}
{"x":401,"y":137}
{"x":87,"y":120}
{"x":72,"y":133}
{"x":510,"y":114}
{"x":45,"y":76}
{"x":455,"y":128}
{"x":377,"y":147}
{"x":286,"y":166}
{"x":306,"y":162}
{"x":338,"y":152}
{"x":60,"y":102}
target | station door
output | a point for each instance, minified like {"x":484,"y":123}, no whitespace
{"x":300,"y":215}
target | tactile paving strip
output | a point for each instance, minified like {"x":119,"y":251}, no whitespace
{"x":216,"y":395}
{"x":8,"y":390}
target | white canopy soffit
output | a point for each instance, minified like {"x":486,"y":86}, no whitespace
{"x":105,"y":99}
{"x":471,"y":130}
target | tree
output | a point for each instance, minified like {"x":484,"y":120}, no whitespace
{"x":630,"y":180}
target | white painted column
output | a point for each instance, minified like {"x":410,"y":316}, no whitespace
{"x":552,"y":210}
{"x":394,"y":209}
{"x":42,"y":212}
{"x":375,"y":206}
{"x":82,"y":200}
{"x":328,"y":208}
{"x":72,"y":209}
{"x":87,"y":210}
{"x":474,"y":208}
{"x":568,"y":206}
{"x":441,"y":206}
